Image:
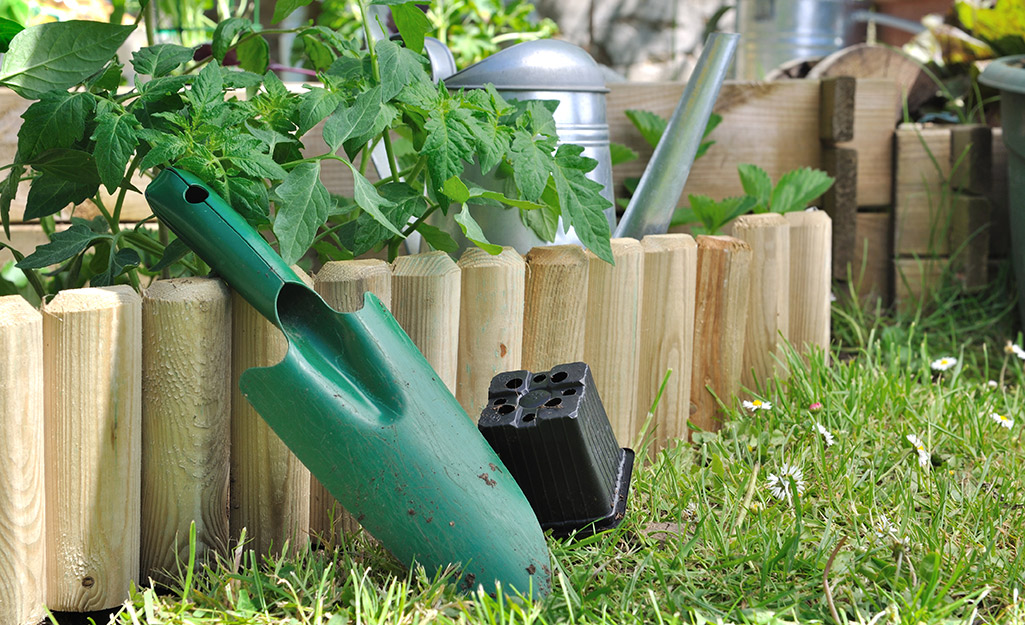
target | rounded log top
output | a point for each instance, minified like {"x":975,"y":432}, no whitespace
{"x":342,"y":270}
{"x":475,"y":257}
{"x":556,"y":255}
{"x":92,"y":298}
{"x":15,"y":311}
{"x":663,"y":242}
{"x":436,"y":263}
{"x":193,"y":289}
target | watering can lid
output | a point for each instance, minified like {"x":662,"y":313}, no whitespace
{"x":1006,"y":74}
{"x":541,"y":65}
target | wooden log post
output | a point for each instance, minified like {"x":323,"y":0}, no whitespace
{"x":269,"y":490}
{"x":490,"y":323}
{"x":554,"y":308}
{"x":720,"y":314}
{"x":92,"y":361}
{"x":841,"y":203}
{"x":811,"y":235}
{"x":768,"y":318}
{"x":612,"y":337}
{"x":667,"y":334}
{"x":836,"y":109}
{"x":186,"y":422}
{"x":425,"y":302}
{"x":342,"y":285}
{"x":22,"y":494}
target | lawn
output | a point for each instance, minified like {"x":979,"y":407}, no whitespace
{"x":878,"y":483}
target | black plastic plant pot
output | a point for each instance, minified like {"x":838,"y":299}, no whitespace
{"x":551,"y":430}
{"x":1008,"y":75}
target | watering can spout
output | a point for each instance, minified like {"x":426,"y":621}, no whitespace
{"x":651,"y":207}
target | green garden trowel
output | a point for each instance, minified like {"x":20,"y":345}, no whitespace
{"x":360,"y":406}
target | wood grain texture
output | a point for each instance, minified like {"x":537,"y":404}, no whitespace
{"x":612,"y":334}
{"x":22,"y":494}
{"x":490,"y":323}
{"x":841,"y":203}
{"x":768,"y":317}
{"x":186,"y":422}
{"x":872,"y":264}
{"x":92,"y":360}
{"x":971,"y":153}
{"x":810,"y":279}
{"x":874,"y":102}
{"x":758,"y":119}
{"x":269,"y":490}
{"x":425,"y":301}
{"x":880,"y":62}
{"x":836,"y":112}
{"x":667,"y":334}
{"x":342,"y":284}
{"x":555,"y":309}
{"x":723,"y":291}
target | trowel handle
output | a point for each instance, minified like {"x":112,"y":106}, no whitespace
{"x":221,"y":237}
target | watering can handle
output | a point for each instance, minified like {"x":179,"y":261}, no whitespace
{"x":221,"y":237}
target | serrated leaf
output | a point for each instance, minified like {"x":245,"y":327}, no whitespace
{"x":115,"y":143}
{"x":254,"y":54}
{"x":208,"y":86}
{"x":49,"y":194}
{"x":797,"y":188}
{"x":757,"y":184}
{"x":66,"y":163}
{"x":362,"y":135}
{"x":367,"y":233}
{"x":456,"y":190}
{"x":492,"y":143}
{"x":62,"y":246}
{"x":541,"y":121}
{"x":57,"y":120}
{"x":58,"y":55}
{"x":532,"y":163}
{"x":284,"y":8}
{"x":650,"y":125}
{"x":544,"y":222}
{"x":119,"y":262}
{"x":249,"y":198}
{"x":259,"y":165}
{"x":622,"y":154}
{"x":314,"y":106}
{"x":158,"y":88}
{"x":499,"y":197}
{"x":225,"y":34}
{"x":412,"y":24}
{"x":303,"y":206}
{"x":369,"y":200}
{"x":175,"y":251}
{"x":471,"y":229}
{"x":345,"y":122}
{"x":399,"y":67}
{"x":437,"y":238}
{"x":8,"y":191}
{"x":10,"y":28}
{"x":581,"y":201}
{"x":167,"y":149}
{"x":161,"y":59}
{"x":449,"y":143}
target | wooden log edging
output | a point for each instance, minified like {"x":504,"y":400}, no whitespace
{"x":554,"y":309}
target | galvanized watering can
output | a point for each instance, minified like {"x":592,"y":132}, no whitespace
{"x":556,"y":70}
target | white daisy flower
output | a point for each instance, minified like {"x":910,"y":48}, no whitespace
{"x":923,"y":455}
{"x":944,"y":363}
{"x":825,"y":434}
{"x":883,"y":528}
{"x":779,"y":485}
{"x":992,"y":384}
{"x":1014,"y":348}
{"x":1003,"y":420}
{"x":756,"y":405}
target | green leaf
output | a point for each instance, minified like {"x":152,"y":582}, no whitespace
{"x":437,"y":238}
{"x":472,"y":230}
{"x":449,"y":143}
{"x":315,"y":105}
{"x":757,"y":184}
{"x":254,"y":54}
{"x":367,"y":198}
{"x":399,"y":67}
{"x":8,"y":191}
{"x":284,"y":8}
{"x":115,"y":143}
{"x":10,"y":28}
{"x":714,"y":215}
{"x":797,"y":188}
{"x":161,"y":59}
{"x":49,"y":194}
{"x":119,"y":262}
{"x":225,"y":34}
{"x":544,"y":222}
{"x":539,"y":117}
{"x":456,"y":190}
{"x":57,"y":120}
{"x":366,"y":233}
{"x":498,"y":197}
{"x":175,"y":251}
{"x":303,"y":206}
{"x":346,"y":122}
{"x":58,"y":55}
{"x":249,"y":198}
{"x":62,"y":246}
{"x":650,"y":125}
{"x":532,"y":163}
{"x":622,"y":154}
{"x":74,"y":165}
{"x":167,"y":149}
{"x":208,"y":86}
{"x":259,"y":165}
{"x":582,"y":203}
{"x":412,"y":24}
{"x":492,"y":143}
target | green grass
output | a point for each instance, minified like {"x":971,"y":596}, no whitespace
{"x":705,"y":540}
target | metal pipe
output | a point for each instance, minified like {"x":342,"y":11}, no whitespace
{"x":651,"y":207}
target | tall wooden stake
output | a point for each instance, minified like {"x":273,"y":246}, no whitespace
{"x":811,"y":236}
{"x":269,"y":488}
{"x":22,"y":496}
{"x":667,"y":334}
{"x":723,"y":289}
{"x":768,"y":318}
{"x":612,"y":345}
{"x":490,"y":323}
{"x":554,"y":309}
{"x":92,"y":361}
{"x":186,"y":422}
{"x":425,"y":302}
{"x":342,"y":284}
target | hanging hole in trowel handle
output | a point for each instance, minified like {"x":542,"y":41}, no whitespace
{"x":196,"y":194}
